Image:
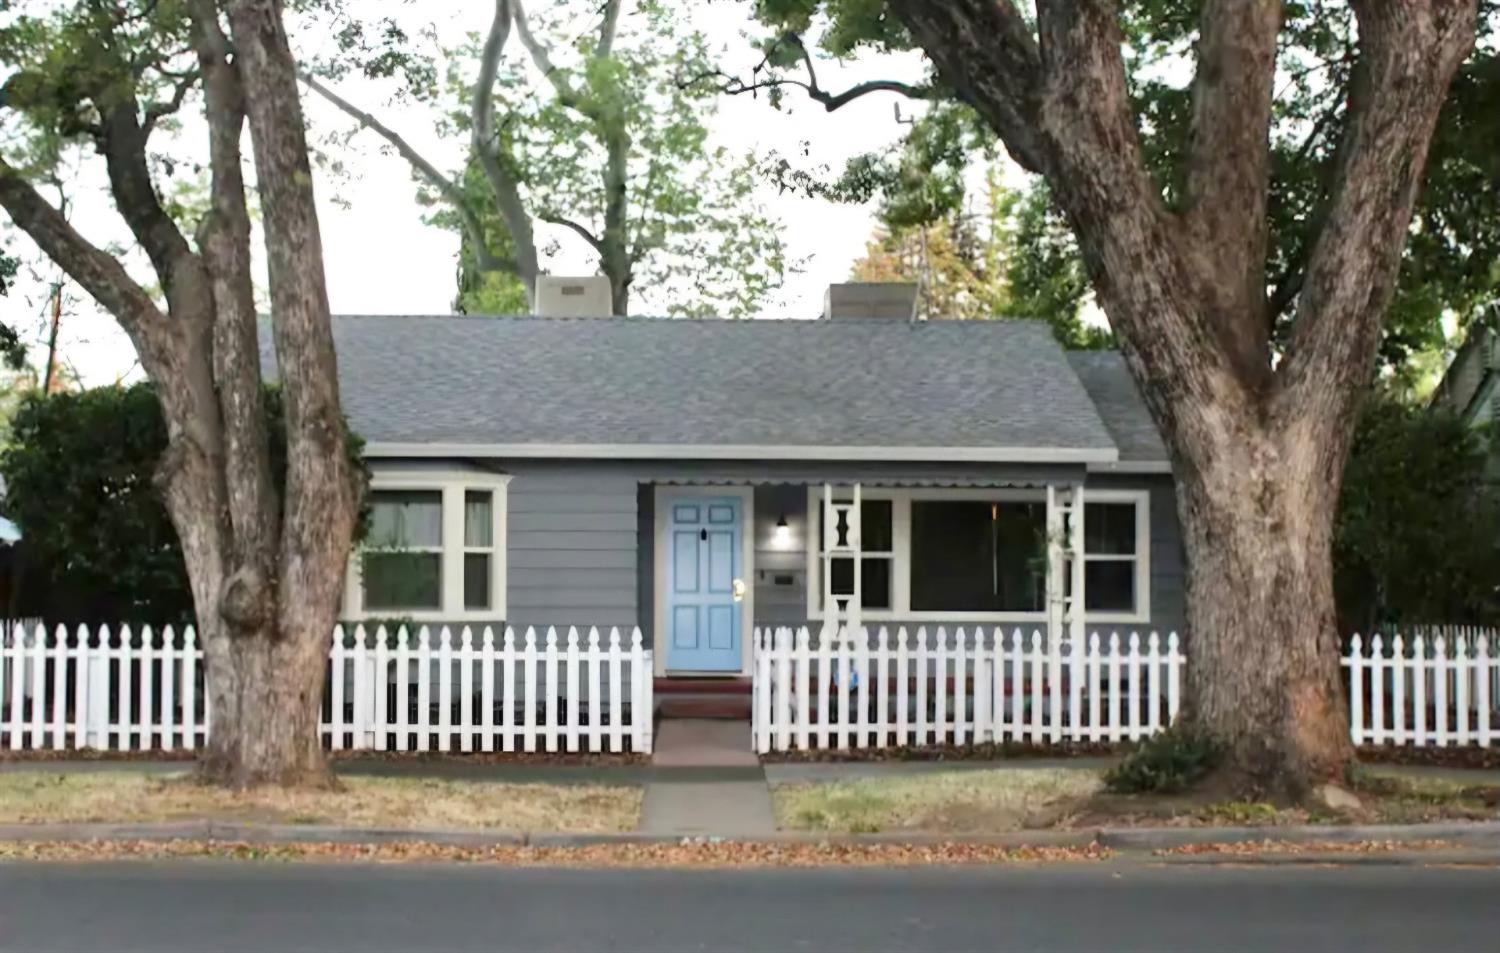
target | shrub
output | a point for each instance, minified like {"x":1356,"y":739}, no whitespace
{"x":1165,"y":764}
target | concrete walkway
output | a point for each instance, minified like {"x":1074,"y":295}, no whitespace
{"x":679,"y":800}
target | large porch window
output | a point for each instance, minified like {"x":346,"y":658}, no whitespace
{"x":978,"y":556}
{"x":981,"y":555}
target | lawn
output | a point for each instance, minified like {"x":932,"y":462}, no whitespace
{"x":1008,"y":799}
{"x":1014,"y":799}
{"x":41,"y":796}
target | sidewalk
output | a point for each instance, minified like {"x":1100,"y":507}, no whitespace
{"x":735,"y":802}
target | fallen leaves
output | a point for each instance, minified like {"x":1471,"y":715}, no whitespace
{"x":687,"y":853}
{"x":1276,"y":847}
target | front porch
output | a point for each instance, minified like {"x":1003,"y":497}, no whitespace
{"x":722,"y":559}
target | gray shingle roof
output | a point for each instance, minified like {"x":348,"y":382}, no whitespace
{"x":1108,"y":382}
{"x":866,"y":383}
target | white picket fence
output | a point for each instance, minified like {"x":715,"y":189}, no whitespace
{"x":396,"y":690}
{"x":937,"y":687}
{"x":1436,"y":686}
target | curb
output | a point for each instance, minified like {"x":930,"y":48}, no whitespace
{"x":1473,"y":834}
{"x":1477,"y":835}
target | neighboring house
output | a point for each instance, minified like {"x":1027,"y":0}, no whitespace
{"x":1471,"y":386}
{"x":676,"y":475}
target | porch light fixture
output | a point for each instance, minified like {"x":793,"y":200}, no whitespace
{"x":783,"y":536}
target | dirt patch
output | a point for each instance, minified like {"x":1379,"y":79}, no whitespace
{"x":1009,"y":799}
{"x":1386,"y":799}
{"x":39,"y":797}
{"x":1466,"y":757}
{"x":688,"y":854}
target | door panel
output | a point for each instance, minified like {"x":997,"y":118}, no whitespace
{"x":703,"y":616}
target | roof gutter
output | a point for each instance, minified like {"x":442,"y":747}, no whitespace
{"x":674,"y":451}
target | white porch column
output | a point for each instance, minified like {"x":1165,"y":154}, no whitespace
{"x":1056,"y":566}
{"x":1075,"y":548}
{"x":849,"y":548}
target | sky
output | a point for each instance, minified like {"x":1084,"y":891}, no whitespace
{"x":379,"y":256}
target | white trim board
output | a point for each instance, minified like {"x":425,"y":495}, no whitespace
{"x":901,"y":499}
{"x":746,"y":496}
{"x":675,"y":451}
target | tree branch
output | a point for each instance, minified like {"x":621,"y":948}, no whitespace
{"x":123,"y":142}
{"x":1228,"y":161}
{"x":157,"y":111}
{"x":608,"y":28}
{"x":1408,"y":54}
{"x":583,"y":232}
{"x":253,"y":509}
{"x":486,"y":147}
{"x":735,"y":86}
{"x":566,"y":94}
{"x":96,"y":271}
{"x":999,"y":73}
{"x":484,"y":259}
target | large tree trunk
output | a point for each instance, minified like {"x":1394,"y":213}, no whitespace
{"x":1258,"y":522}
{"x":1258,"y":445}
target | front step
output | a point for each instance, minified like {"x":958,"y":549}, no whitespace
{"x":708,"y":698}
{"x":667,"y":685}
{"x":710,"y":707}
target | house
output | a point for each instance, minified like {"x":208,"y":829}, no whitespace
{"x":1471,"y":386}
{"x":699,"y":478}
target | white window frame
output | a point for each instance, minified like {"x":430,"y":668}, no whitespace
{"x":901,"y":499}
{"x":452,"y":484}
{"x":1141,"y":558}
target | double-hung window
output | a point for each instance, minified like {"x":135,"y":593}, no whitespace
{"x":434,"y":550}
{"x":1114,"y":543}
{"x":931,"y":555}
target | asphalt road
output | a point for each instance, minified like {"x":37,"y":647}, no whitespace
{"x":202,"y":905}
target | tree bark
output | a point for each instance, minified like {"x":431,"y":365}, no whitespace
{"x":1258,"y":447}
{"x":266,"y":576}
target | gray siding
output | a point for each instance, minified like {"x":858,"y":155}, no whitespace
{"x":573,"y":534}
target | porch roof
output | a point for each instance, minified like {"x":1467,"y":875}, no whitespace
{"x":855,"y":389}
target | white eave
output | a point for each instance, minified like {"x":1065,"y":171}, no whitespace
{"x":1132,"y":466}
{"x":646,"y":451}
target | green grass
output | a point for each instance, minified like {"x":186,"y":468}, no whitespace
{"x":961,"y":801}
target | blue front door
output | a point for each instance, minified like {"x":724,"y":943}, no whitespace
{"x":703,"y":572}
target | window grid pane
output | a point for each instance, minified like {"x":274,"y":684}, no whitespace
{"x":1109,"y":529}
{"x":403,"y":580}
{"x":479,"y":519}
{"x":476,"y":580}
{"x":406,"y":519}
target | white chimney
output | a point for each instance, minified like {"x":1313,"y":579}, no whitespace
{"x":559,"y":297}
{"x":871,"y":299}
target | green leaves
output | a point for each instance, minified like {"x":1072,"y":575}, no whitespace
{"x":98,"y":543}
{"x":1417,"y":537}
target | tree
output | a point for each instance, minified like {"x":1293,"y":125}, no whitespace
{"x":1177,"y":246}
{"x":266,"y":568}
{"x":1417,"y":539}
{"x":1014,"y":259}
{"x":1450,"y":268}
{"x":599,"y":138}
